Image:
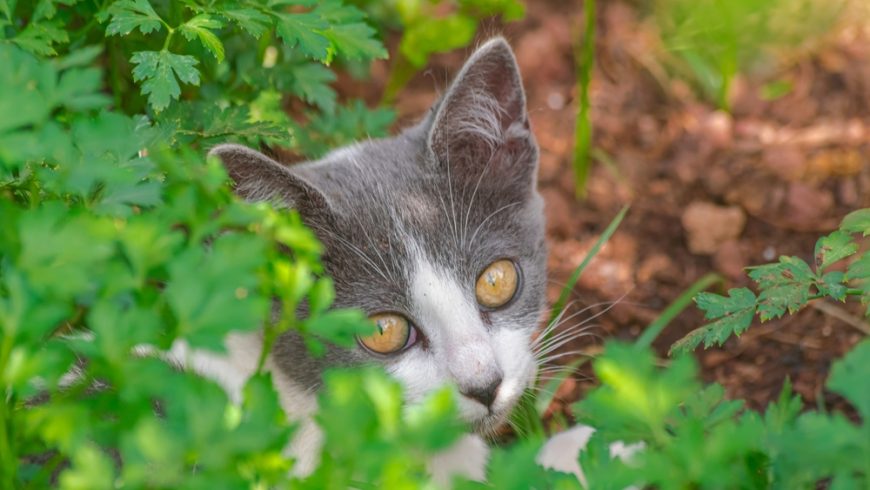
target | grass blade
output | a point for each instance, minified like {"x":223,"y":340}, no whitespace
{"x":675,"y":308}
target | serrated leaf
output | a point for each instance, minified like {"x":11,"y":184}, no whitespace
{"x":785,"y":286}
{"x":129,"y":15}
{"x":310,"y":81}
{"x":158,"y":69}
{"x":636,"y":397}
{"x":832,"y":284}
{"x":46,"y":9}
{"x":305,"y":31}
{"x":850,"y":377}
{"x":253,"y":21}
{"x":859,"y":271}
{"x":732,"y":314}
{"x":857,"y":222}
{"x":833,"y":248}
{"x":200,"y":27}
{"x":356,"y":41}
{"x":40,"y":37}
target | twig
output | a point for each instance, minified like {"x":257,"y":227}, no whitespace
{"x":842,"y":315}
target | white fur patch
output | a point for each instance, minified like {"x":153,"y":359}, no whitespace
{"x":467,"y":457}
{"x":232,"y":370}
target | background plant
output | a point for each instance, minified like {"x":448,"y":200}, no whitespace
{"x":428,"y":27}
{"x":789,"y":285}
{"x":711,"y":41}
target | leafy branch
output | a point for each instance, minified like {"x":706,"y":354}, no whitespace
{"x":788,"y":286}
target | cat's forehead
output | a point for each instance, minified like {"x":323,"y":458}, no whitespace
{"x":395,"y":189}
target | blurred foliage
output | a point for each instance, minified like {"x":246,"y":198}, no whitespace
{"x":431,"y":26}
{"x":685,"y":435}
{"x":711,"y":41}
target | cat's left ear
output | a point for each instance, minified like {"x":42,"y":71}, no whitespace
{"x":481,"y":122}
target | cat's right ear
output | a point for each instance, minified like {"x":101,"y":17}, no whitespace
{"x":482,"y":119}
{"x":257,"y":177}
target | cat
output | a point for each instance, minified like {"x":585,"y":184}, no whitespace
{"x":438,"y":234}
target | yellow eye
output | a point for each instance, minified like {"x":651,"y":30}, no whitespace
{"x":497,"y":284}
{"x":393,"y":334}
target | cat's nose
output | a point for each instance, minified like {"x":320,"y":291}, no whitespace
{"x":484,"y":394}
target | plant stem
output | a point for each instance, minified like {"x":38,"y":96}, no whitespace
{"x":584,"y":59}
{"x":8,"y":464}
{"x":168,"y":37}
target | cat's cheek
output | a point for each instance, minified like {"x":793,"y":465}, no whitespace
{"x":418,"y":374}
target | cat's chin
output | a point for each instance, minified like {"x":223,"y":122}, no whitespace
{"x":488,"y":425}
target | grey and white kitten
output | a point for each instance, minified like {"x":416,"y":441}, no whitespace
{"x":409,"y":224}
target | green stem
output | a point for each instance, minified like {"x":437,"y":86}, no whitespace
{"x":168,"y":36}
{"x":585,"y":57}
{"x":8,"y":464}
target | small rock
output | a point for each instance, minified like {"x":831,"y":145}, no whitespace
{"x":708,"y":226}
{"x":657,"y":267}
{"x":807,"y":203}
{"x":786,"y":161}
{"x":718,"y":128}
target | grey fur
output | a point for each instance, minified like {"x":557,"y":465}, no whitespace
{"x":461,"y":185}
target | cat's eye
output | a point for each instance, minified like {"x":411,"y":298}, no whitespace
{"x":394,"y":333}
{"x":497,"y":284}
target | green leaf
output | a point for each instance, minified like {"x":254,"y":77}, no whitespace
{"x":434,"y":35}
{"x":859,"y":271}
{"x":46,"y":9}
{"x":833,"y":248}
{"x":211,"y":293}
{"x":40,"y":37}
{"x":311,"y":82}
{"x":356,"y":41}
{"x":128,"y":15}
{"x":833,"y":285}
{"x":158,"y":69}
{"x":200,"y":27}
{"x":732,"y":315}
{"x":785,"y":286}
{"x":91,"y":470}
{"x":339,"y":327}
{"x":857,"y":222}
{"x":850,"y":377}
{"x":251,"y":20}
{"x":305,"y":32}
{"x":636,"y":398}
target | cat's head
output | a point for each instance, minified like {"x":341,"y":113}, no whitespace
{"x":438,"y":233}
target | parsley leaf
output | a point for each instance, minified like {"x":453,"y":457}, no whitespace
{"x":733,"y":315}
{"x":833,"y":248}
{"x":129,"y":15}
{"x":159,"y":69}
{"x":200,"y":27}
{"x":784,"y":286}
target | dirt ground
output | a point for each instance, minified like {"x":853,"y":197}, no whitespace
{"x":709,"y":191}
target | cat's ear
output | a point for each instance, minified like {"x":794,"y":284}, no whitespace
{"x":483,"y":117}
{"x":257,"y":177}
